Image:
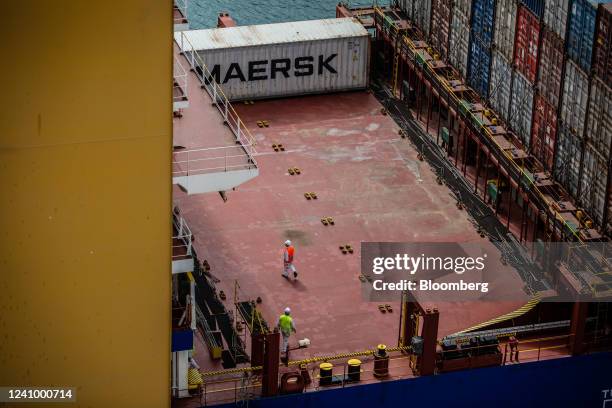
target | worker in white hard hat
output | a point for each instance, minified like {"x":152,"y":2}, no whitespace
{"x":288,"y":266}
{"x":286,"y":326}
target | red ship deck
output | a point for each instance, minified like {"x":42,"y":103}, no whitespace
{"x":369,"y":180}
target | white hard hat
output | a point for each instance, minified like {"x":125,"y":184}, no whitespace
{"x":287,"y":310}
{"x":288,"y":243}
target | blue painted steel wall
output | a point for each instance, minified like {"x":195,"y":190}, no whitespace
{"x":537,"y":6}
{"x":581,"y":32}
{"x":481,"y":37}
{"x":560,"y":383}
{"x":182,"y":340}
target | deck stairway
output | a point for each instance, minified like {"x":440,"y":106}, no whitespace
{"x":223,"y":157}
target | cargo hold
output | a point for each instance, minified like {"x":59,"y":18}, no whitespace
{"x":285,"y":59}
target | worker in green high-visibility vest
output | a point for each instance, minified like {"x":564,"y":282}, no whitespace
{"x":286,"y":326}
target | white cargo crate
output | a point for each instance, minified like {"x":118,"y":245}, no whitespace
{"x":285,"y":59}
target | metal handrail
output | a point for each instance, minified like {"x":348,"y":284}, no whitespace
{"x":214,"y":159}
{"x":220,"y":100}
{"x":183,"y":233}
{"x":180,"y":81}
{"x":180,"y":5}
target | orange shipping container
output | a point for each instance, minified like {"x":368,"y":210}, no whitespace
{"x":526,"y":44}
{"x":544,"y":131}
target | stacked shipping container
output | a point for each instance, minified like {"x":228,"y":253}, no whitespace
{"x":521,"y":107}
{"x":547,"y":99}
{"x":527,"y":43}
{"x":481,"y":39}
{"x":440,"y":25}
{"x":595,"y":172}
{"x":501,"y":82}
{"x":602,"y":55}
{"x":505,"y":24}
{"x":555,"y":16}
{"x":418,"y":11}
{"x":581,"y":29}
{"x":544,"y":66}
{"x":574,"y":98}
{"x":459,"y":35}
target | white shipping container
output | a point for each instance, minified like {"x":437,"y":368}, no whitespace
{"x":275,"y":60}
{"x":567,"y":160}
{"x":599,"y":119}
{"x":555,"y":16}
{"x":499,"y":85}
{"x":574,"y":98}
{"x":505,"y":24}
{"x":419,"y":11}
{"x":593,"y":184}
{"x":521,"y":107}
{"x":459,"y":41}
{"x":464,"y":7}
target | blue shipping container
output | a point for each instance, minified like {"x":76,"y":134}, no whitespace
{"x":536,"y":6}
{"x":483,"y":12}
{"x":479,"y":67}
{"x":581,"y":32}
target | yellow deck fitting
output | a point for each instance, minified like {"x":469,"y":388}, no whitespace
{"x":383,"y":111}
{"x":330,"y":220}
{"x":265,"y":123}
{"x":307,"y":195}
{"x":281,"y":147}
{"x":324,"y":221}
{"x":260,"y":124}
{"x":349,"y":248}
{"x":382,"y":309}
{"x":294,"y":170}
{"x":291,"y":171}
{"x":313,"y":195}
{"x":389,"y":308}
{"x":297,"y":170}
{"x":343,"y":249}
{"x":362,"y":278}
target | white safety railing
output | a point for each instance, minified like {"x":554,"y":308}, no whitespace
{"x":231,"y":118}
{"x":179,"y":90}
{"x":183,"y":234}
{"x":181,"y":6}
{"x":211,"y":160}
